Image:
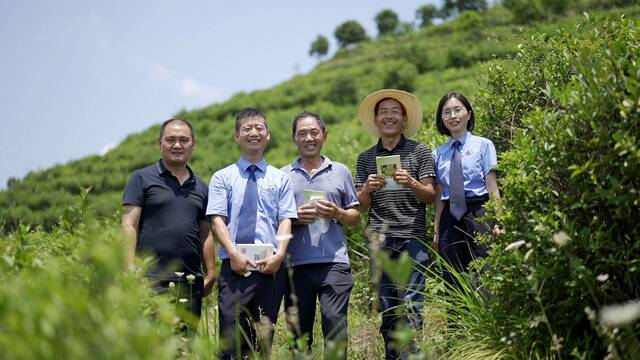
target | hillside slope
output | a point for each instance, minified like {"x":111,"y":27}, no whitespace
{"x":428,"y":62}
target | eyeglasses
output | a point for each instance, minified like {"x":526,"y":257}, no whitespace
{"x":456,"y":111}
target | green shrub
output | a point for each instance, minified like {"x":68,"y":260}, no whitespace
{"x":525,"y":11}
{"x":513,"y":89}
{"x":418,"y":56}
{"x":343,"y":91}
{"x":401,"y":75}
{"x":469,"y":21}
{"x":349,"y":32}
{"x":387,"y":22}
{"x":319,"y":47}
{"x":425,"y":14}
{"x":459,"y":57}
{"x":64,"y":295}
{"x":569,"y":117}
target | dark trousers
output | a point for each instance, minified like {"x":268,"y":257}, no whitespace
{"x":457,"y":244}
{"x":331,"y":284}
{"x":242,"y":301}
{"x":402,"y":304}
{"x":189,"y":310}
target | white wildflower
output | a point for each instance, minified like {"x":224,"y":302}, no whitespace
{"x":183,"y":300}
{"x":561,"y":238}
{"x":620,"y":314}
{"x":514,"y":245}
{"x":602,"y":277}
{"x":172,"y":285}
{"x":179,"y":273}
{"x":557,"y":342}
{"x":591,"y":314}
{"x":191,"y":278}
{"x":536,"y":321}
{"x":264,"y":329}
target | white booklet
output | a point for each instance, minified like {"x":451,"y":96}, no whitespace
{"x":255,"y":252}
{"x":313,"y":195}
{"x":320,"y":226}
{"x":386,"y":166}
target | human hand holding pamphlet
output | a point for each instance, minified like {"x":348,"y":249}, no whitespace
{"x":386,"y":166}
{"x":320,"y":226}
{"x":255,"y":252}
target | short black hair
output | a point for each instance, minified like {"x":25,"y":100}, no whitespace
{"x":248,"y":113}
{"x":375,"y":108}
{"x":306,"y":114}
{"x":458,"y":96}
{"x":167,"y":122}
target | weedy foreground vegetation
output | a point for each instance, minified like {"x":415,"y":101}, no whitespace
{"x":562,"y":106}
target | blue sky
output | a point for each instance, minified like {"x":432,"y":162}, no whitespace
{"x":76,"y":77}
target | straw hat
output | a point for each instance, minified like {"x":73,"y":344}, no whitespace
{"x":408,"y":100}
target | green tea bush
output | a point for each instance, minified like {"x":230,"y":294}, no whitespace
{"x":343,"y":91}
{"x":525,"y":11}
{"x":459,"y":57}
{"x":401,"y":75}
{"x":64,"y":296}
{"x":514,"y":89}
{"x":418,"y":56}
{"x":567,"y":116}
{"x":469,"y":21}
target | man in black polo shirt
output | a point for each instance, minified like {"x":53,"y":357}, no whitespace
{"x":164,"y":217}
{"x":398,"y":211}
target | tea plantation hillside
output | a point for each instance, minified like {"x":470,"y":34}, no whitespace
{"x":429,"y":62}
{"x":560,"y":98}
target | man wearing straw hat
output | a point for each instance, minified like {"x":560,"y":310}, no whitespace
{"x":397,"y":203}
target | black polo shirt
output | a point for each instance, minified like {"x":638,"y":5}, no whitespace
{"x":397,"y":213}
{"x":169,"y":227}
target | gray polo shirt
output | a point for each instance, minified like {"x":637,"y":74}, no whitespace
{"x":321,"y":243}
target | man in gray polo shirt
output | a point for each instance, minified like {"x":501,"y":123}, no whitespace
{"x":399,"y":212}
{"x":325,"y":200}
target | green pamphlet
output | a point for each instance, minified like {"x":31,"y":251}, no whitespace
{"x":386,"y":166}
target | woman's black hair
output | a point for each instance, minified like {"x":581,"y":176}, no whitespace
{"x":440,"y":125}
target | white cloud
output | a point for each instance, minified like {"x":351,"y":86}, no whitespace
{"x":184,"y":85}
{"x":192,"y":88}
{"x":106,"y":148}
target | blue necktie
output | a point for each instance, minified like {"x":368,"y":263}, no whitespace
{"x":246,"y":233}
{"x":457,"y":200}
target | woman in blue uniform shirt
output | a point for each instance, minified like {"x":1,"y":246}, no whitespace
{"x":465,"y":179}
